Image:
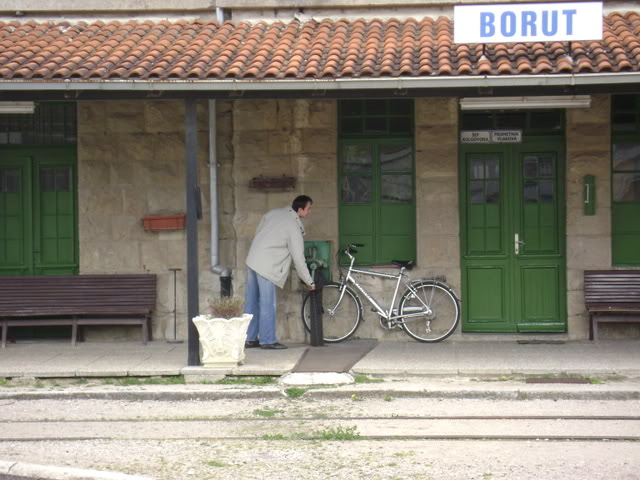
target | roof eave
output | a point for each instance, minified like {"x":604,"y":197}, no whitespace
{"x":397,"y":83}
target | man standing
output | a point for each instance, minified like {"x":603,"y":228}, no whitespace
{"x":278,"y":241}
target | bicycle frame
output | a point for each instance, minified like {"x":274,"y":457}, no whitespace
{"x":385,"y":314}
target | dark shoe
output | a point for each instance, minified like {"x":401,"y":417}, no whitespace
{"x":251,"y":344}
{"x":273,"y":346}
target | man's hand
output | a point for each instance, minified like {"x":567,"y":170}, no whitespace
{"x":312,"y":287}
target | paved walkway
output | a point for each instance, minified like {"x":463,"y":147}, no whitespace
{"x":96,"y":359}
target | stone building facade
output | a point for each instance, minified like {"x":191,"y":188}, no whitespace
{"x":130,"y":159}
{"x":131,"y":129}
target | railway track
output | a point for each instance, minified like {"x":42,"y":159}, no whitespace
{"x":619,"y":428}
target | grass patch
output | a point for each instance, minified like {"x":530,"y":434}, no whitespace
{"x":3,"y":382}
{"x":261,"y":380}
{"x":215,"y":463}
{"x":563,"y":378}
{"x":266,"y":413}
{"x":295,"y":392}
{"x":133,"y":381}
{"x":274,"y":436}
{"x":388,"y":398}
{"x":338,"y":433}
{"x":366,"y":379}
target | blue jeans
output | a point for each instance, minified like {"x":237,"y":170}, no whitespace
{"x":260,"y":300}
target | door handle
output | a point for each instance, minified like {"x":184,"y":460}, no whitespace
{"x":516,"y":243}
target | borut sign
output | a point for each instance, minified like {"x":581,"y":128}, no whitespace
{"x":527,"y":22}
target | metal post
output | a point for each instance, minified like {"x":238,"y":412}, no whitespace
{"x":316,"y":336}
{"x":192,"y":191}
{"x":175,"y":306}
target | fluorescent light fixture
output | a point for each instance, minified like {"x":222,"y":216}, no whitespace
{"x":523,"y":103}
{"x":17,"y":107}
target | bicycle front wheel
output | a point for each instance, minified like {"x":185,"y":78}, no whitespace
{"x":339,"y":320}
{"x":432,"y":312}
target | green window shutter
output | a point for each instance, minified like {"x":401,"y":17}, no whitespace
{"x":625,"y":180}
{"x":377,"y":199}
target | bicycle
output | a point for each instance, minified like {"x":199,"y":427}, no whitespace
{"x":427,"y":311}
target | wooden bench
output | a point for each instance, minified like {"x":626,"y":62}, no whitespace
{"x":77,"y":300}
{"x":611,"y":292}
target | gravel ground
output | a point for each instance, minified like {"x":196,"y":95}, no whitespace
{"x":488,"y":460}
{"x":261,"y":455}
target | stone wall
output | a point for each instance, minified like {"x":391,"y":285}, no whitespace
{"x":131,"y":162}
{"x":298,"y":138}
{"x":589,"y":237}
{"x":284,"y":137}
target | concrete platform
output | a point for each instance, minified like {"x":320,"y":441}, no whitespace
{"x":108,"y":359}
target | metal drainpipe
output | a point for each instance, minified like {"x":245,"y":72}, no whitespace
{"x":223,"y":271}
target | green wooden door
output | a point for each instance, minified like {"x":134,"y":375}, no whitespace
{"x":513,"y":258}
{"x":377,"y":199}
{"x":38,"y":213}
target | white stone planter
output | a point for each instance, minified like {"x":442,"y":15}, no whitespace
{"x":222,"y":339}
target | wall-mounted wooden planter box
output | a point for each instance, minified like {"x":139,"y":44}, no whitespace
{"x":158,"y":223}
{"x":272,"y":183}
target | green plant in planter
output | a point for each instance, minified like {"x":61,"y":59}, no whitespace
{"x":226,"y":307}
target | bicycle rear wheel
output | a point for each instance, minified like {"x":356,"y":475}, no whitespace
{"x":438,"y":308}
{"x":343,"y":322}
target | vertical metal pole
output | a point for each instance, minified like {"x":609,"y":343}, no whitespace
{"x":192,"y":190}
{"x":175,"y":271}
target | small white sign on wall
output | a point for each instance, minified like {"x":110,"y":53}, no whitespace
{"x":491,"y":136}
{"x":530,"y":22}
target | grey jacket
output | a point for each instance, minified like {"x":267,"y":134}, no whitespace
{"x":278,"y":241}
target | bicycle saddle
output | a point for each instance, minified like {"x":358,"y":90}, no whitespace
{"x":408,"y":264}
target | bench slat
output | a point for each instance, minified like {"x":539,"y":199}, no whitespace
{"x":609,"y":292}
{"x":115,"y":299}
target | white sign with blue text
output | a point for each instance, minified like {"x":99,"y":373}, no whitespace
{"x":530,"y":22}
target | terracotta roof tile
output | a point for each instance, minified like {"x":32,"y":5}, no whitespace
{"x":326,"y":49}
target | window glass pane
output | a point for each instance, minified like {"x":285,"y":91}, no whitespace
{"x":356,"y":189}
{"x":492,"y":189}
{"x":477,"y":169}
{"x":492,"y":168}
{"x":477,"y":121}
{"x":546,"y":167}
{"x":401,"y":125}
{"x":357,"y":159}
{"x":9,"y":181}
{"x":624,"y":103}
{"x":515,"y":120}
{"x":546,"y":120}
{"x":626,"y":156}
{"x":624,"y":122}
{"x":48,"y":179}
{"x":63,"y":179}
{"x":351,"y":125}
{"x":351,"y":107}
{"x":546,"y":191}
{"x":400,"y":107}
{"x":50,"y":124}
{"x":396,"y":189}
{"x":530,"y":191}
{"x":626,"y":187}
{"x":375,"y":125}
{"x":55,"y":179}
{"x":376,"y":107}
{"x":476,"y":189}
{"x":396,"y":158}
{"x":530,"y":167}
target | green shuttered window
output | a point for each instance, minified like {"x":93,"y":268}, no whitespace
{"x":377,"y":180}
{"x":625,"y":180}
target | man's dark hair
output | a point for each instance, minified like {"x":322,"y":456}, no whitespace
{"x":301,"y":201}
